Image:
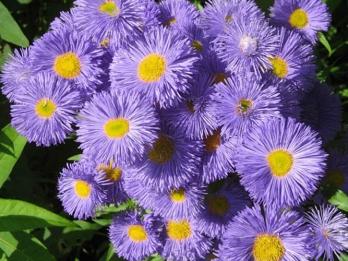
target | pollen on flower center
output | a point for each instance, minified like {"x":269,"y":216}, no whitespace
{"x":197,"y":45}
{"x":190,"y":106}
{"x":162,"y":150}
{"x":110,"y":8}
{"x":219,"y":77}
{"x":178,"y":229}
{"x":212,"y":142}
{"x":178,"y":196}
{"x":151,"y":68}
{"x":268,"y":248}
{"x":244,"y":106}
{"x":217,"y":205}
{"x":113,"y":174}
{"x":170,"y":22}
{"x":280,"y":67}
{"x":82,"y":189}
{"x":45,"y":108}
{"x":116,"y":128}
{"x":299,"y":18}
{"x":228,"y":19}
{"x":248,"y":45}
{"x":137,"y":233}
{"x":280,"y":162}
{"x":67,"y":65}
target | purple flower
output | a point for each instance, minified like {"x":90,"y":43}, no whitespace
{"x":215,"y":67}
{"x":117,"y":126}
{"x":45,"y":110}
{"x":171,"y":160}
{"x":281,"y":162}
{"x":219,"y":209}
{"x":329,"y":232}
{"x":321,"y":109}
{"x":308,"y":17}
{"x":243,"y":103}
{"x":65,"y":21}
{"x":69,"y":56}
{"x":135,"y":237}
{"x":184,"y":202}
{"x":192,"y":116}
{"x":16,"y":73}
{"x":159,"y":65}
{"x":266,"y":235}
{"x":247,"y":45}
{"x":217,"y":15}
{"x":80,"y":190}
{"x":184,"y":241}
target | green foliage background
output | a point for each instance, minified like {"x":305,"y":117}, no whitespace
{"x":32,"y":224}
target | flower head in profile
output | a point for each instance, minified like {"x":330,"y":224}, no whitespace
{"x":80,"y":190}
{"x":329,"y":231}
{"x":136,"y":237}
{"x":45,"y":110}
{"x":160,"y":65}
{"x":307,"y":17}
{"x":281,"y":162}
{"x":266,"y":235}
{"x":117,"y":127}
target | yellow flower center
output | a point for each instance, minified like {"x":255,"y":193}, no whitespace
{"x":299,"y":18}
{"x":162,"y":150}
{"x":110,"y":8}
{"x":67,"y":65}
{"x":217,"y":205}
{"x":219,"y":77}
{"x":113,"y":174}
{"x":197,"y":45}
{"x":280,"y":162}
{"x":190,"y":106}
{"x":116,"y":128}
{"x":170,"y":22}
{"x":212,"y":142}
{"x":228,"y":19}
{"x":178,"y":229}
{"x":151,"y":68}
{"x":105,"y":43}
{"x":178,"y":196}
{"x":82,"y":189}
{"x":336,"y":178}
{"x":45,"y":108}
{"x":268,"y":248}
{"x":244,"y":105}
{"x":137,"y":233}
{"x":280,"y":67}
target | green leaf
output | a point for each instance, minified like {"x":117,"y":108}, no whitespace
{"x":109,"y":254}
{"x":6,"y":51}
{"x":24,"y":1}
{"x":343,"y":257}
{"x":23,"y":247}
{"x":155,"y":258}
{"x":75,"y":157}
{"x":11,"y":147}
{"x":9,"y":29}
{"x":340,"y":199}
{"x":198,"y":4}
{"x":265,"y":4}
{"x":325,"y":43}
{"x":19,"y":215}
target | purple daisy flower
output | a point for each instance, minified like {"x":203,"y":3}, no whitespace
{"x":247,"y":45}
{"x":117,"y":126}
{"x":266,"y":235}
{"x":281,"y":162}
{"x":219,"y":209}
{"x":65,"y":21}
{"x":217,"y":15}
{"x":294,"y":60}
{"x":243,"y":103}
{"x":199,"y":42}
{"x":218,"y":156}
{"x":215,"y":67}
{"x":329,"y":231}
{"x":159,"y":65}
{"x":112,"y":19}
{"x":135,"y":237}
{"x":16,"y":72}
{"x":307,"y":17}
{"x":80,"y":190}
{"x":171,"y":161}
{"x":321,"y":109}
{"x":337,"y":170}
{"x":193,"y":116}
{"x":45,"y":110}
{"x":152,"y":14}
{"x":184,"y":241}
{"x":176,"y":13}
{"x":69,"y":56}
{"x":184,"y":202}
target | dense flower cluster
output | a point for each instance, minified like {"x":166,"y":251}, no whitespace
{"x":211,"y":121}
